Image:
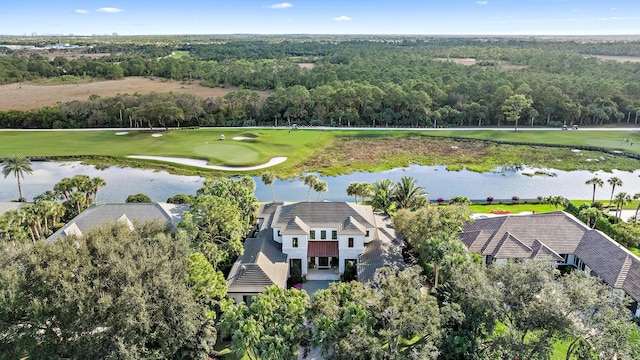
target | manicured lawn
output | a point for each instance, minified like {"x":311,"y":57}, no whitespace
{"x":330,"y":152}
{"x":514,"y":208}
{"x":179,"y":54}
{"x":194,"y":143}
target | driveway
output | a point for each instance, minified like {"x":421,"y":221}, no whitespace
{"x":312,"y":286}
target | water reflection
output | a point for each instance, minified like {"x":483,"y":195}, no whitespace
{"x":501,"y":183}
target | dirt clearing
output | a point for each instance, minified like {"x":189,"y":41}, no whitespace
{"x":22,"y":96}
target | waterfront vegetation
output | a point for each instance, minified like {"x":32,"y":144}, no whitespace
{"x":330,"y":152}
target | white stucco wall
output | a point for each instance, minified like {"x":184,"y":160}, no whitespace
{"x":296,"y":253}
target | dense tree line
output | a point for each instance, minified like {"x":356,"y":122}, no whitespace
{"x":393,"y":82}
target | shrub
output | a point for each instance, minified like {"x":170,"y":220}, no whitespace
{"x":489,"y":199}
{"x":440,"y":200}
{"x":139,"y":198}
{"x":515,"y":198}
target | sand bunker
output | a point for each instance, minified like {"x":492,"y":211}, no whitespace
{"x":156,"y":135}
{"x":122,"y":133}
{"x":203,"y":163}
{"x":243,"y":138}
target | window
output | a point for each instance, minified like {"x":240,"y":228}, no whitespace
{"x":294,"y":242}
{"x":279,"y":233}
{"x":350,"y":243}
{"x":367,"y":234}
{"x":312,"y":234}
{"x":334,"y":234}
{"x":323,"y":234}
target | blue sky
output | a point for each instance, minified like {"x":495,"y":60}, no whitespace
{"x":426,"y":17}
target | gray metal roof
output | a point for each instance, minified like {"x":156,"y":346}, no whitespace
{"x":98,"y":215}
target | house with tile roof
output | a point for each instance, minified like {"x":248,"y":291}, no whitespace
{"x":558,"y":237}
{"x":129,"y":213}
{"x":319,"y":238}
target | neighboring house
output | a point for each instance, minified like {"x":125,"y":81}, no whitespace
{"x":319,"y":238}
{"x":560,"y":238}
{"x":130,"y":213}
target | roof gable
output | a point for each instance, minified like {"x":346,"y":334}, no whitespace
{"x":540,"y":251}
{"x":352,"y":227}
{"x":323,"y":214}
{"x":510,"y":246}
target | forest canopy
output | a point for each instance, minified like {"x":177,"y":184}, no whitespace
{"x":344,"y":81}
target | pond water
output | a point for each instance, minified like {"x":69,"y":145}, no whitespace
{"x":501,"y":184}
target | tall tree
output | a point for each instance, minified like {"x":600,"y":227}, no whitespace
{"x":96,"y":184}
{"x":320,"y":187}
{"x":271,"y":327}
{"x":595,"y":181}
{"x":310,"y":180}
{"x":621,"y":199}
{"x":111,"y":293}
{"x":394,"y":317}
{"x":514,"y":106}
{"x":268,"y":179}
{"x":382,"y":198}
{"x":18,"y":166}
{"x":614,"y":181}
{"x":408,"y":195}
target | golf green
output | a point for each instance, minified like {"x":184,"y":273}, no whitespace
{"x":226,"y":153}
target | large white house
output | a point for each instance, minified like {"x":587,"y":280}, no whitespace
{"x":319,"y":238}
{"x":323,"y":235}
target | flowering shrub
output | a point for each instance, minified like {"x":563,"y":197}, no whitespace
{"x":440,"y":199}
{"x":489,"y":199}
{"x":515,"y":198}
{"x":297,"y":286}
{"x":500,"y":212}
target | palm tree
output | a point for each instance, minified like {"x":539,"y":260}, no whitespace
{"x":83,"y":185}
{"x":64,"y":187}
{"x":320,"y":187}
{"x":556,"y":201}
{"x":96,"y":183}
{"x":268,"y":179}
{"x":408,"y":195}
{"x":18,"y":166}
{"x":614,"y":181}
{"x":310,"y":181}
{"x":621,"y":199}
{"x":363,"y":189}
{"x":636,"y":197}
{"x":382,"y":200}
{"x":595,"y":181}
{"x":352,"y":189}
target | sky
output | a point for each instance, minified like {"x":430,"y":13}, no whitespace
{"x":393,"y":17}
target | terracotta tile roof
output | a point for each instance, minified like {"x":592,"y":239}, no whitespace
{"x":323,"y":248}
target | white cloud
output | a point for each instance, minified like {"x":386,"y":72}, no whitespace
{"x":283,"y":5}
{"x":80,"y":11}
{"x":482,"y":2}
{"x":341,"y":18}
{"x":109,"y":10}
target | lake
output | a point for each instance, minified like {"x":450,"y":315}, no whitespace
{"x":159,"y":185}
